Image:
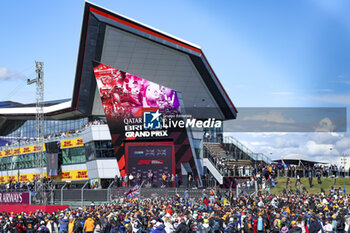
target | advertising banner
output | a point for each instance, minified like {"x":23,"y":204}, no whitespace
{"x":22,"y":178}
{"x":75,"y":175}
{"x":22,"y":150}
{"x":14,"y":198}
{"x":71,"y":143}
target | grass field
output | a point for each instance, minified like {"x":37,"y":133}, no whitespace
{"x":326,"y":185}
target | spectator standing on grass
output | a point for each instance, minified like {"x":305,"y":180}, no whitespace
{"x":212,"y":196}
{"x":314,"y":226}
{"x":89,"y":225}
{"x":294,"y":228}
{"x":328,"y":228}
{"x":20,"y":226}
{"x":52,"y":226}
{"x":71,"y":224}
{"x":319,"y":177}
{"x":42,"y":228}
{"x":310,"y":178}
{"x":63,"y":224}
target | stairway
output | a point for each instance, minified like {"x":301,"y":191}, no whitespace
{"x":215,"y":149}
{"x":231,"y":142}
{"x":213,"y":170}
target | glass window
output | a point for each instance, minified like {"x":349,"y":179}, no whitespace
{"x":104,"y":149}
{"x":73,"y":155}
{"x":90,"y":151}
{"x":3,"y":163}
{"x":99,"y":149}
{"x":28,"y":128}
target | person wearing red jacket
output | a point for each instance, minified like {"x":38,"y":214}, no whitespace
{"x":206,"y":201}
{"x":20,"y":227}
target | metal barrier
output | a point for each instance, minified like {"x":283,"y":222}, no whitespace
{"x":62,"y":192}
{"x":82,"y":193}
{"x":245,"y":187}
{"x":82,"y":196}
{"x":109,"y":190}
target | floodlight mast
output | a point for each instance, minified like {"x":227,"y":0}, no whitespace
{"x":39,"y":117}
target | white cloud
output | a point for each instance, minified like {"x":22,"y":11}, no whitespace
{"x":258,"y":143}
{"x":312,"y":148}
{"x":344,"y":143}
{"x":323,"y":137}
{"x":346,"y":82}
{"x":281,"y":142}
{"x":272,"y":116}
{"x":346,"y":152}
{"x":333,"y":98}
{"x":325,"y":125}
{"x":342,"y":79}
{"x":6,"y":74}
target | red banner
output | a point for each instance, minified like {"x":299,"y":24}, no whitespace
{"x":32,"y":208}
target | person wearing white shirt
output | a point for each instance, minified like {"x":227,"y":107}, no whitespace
{"x":328,"y":227}
{"x":131,"y":178}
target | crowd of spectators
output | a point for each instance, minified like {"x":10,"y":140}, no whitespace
{"x":214,"y":213}
{"x":13,"y":186}
{"x":234,"y":168}
{"x":76,"y":131}
{"x":167,"y":180}
{"x":60,"y":134}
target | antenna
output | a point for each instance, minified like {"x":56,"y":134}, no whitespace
{"x":39,"y":80}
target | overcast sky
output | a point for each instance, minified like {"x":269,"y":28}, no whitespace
{"x":292,"y":53}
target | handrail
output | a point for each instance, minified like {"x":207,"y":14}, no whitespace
{"x":208,"y":155}
{"x":246,"y":150}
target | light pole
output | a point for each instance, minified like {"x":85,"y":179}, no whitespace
{"x":18,"y":156}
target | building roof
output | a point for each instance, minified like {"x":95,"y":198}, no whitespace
{"x":295,"y":159}
{"x":99,"y":36}
{"x":120,"y":42}
{"x":9,"y":104}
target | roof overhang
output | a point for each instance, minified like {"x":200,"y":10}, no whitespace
{"x":296,"y":161}
{"x":94,"y":24}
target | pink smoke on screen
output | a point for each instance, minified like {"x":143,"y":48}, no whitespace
{"x":123,"y":94}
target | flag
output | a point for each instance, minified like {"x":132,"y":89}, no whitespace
{"x":132,"y":192}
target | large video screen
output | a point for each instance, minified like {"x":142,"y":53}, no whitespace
{"x":137,"y":110}
{"x":52,"y":164}
{"x":157,"y":157}
{"x":124,"y":94}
